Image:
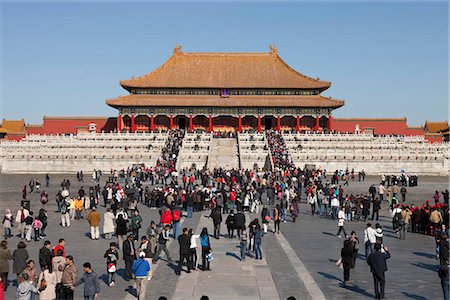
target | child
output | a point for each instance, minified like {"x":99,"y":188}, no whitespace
{"x":37,"y":225}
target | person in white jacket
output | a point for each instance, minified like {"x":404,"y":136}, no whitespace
{"x":369,"y":239}
{"x":341,"y":222}
{"x":22,"y":213}
{"x":193,"y":257}
{"x":108,"y":224}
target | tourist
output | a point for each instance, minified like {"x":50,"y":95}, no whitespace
{"x":68,"y":279}
{"x":184,"y":242}
{"x":312,"y":200}
{"x":7,"y":224}
{"x":258,"y":235}
{"x":20,"y":257}
{"x":60,"y":246}
{"x":136,"y":224}
{"x":334,"y":207}
{"x":152,"y":233}
{"x":94,"y":221}
{"x":381,"y":191}
{"x":43,"y":218}
{"x":91,"y":284}
{"x":22,"y":214}
{"x":5,"y":257}
{"x":243,"y":243}
{"x":239,"y":222}
{"x":176,"y":219}
{"x":145,"y":247}
{"x":45,"y":255}
{"x":31,"y":271}
{"x":265,"y":217}
{"x":129,"y":255}
{"x":140,"y":269}
{"x":376,"y":206}
{"x":47,"y":284}
{"x":377,"y":263}
{"x":276,"y":218}
{"x":26,"y":289}
{"x":108,"y":224}
{"x":58,"y":265}
{"x":193,"y":249}
{"x":121,"y":229}
{"x":79,"y":207}
{"x":369,"y":239}
{"x":397,"y":219}
{"x":341,"y":222}
{"x":206,"y":249}
{"x":112,"y":256}
{"x":355,"y":246}
{"x":163,"y":238}
{"x":347,"y":258}
{"x":65,"y":215}
{"x":36,"y":225}
{"x":403,"y":192}
{"x":216,"y":217}
{"x":379,"y":234}
{"x":230,"y":224}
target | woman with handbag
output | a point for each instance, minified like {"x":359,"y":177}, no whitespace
{"x":206,"y":249}
{"x":47,"y":284}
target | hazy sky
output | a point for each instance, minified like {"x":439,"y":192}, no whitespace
{"x":384,"y":59}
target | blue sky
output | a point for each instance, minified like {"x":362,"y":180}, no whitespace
{"x":384,"y":59}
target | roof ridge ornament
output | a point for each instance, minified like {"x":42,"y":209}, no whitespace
{"x":273,"y":49}
{"x":177,"y":49}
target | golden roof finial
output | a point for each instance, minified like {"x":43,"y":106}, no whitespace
{"x":177,"y":49}
{"x":273,"y":49}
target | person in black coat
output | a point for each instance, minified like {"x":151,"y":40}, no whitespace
{"x":129,"y":255}
{"x":376,"y":206}
{"x":217,"y":220}
{"x":347,"y":254}
{"x":377,"y":263}
{"x":45,"y":255}
{"x":239,"y":222}
{"x":185,"y":245}
{"x":230,"y":225}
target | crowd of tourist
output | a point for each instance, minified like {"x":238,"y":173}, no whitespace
{"x":273,"y":196}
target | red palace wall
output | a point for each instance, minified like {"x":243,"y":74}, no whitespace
{"x":62,"y":125}
{"x":379,"y":126}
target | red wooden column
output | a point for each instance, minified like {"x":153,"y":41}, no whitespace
{"x":297,"y":126}
{"x":210,"y":128}
{"x":259,"y":123}
{"x":191,"y":123}
{"x":152,"y":123}
{"x":316,"y":126}
{"x":119,"y":123}
{"x":239,"y":123}
{"x":279,"y":123}
{"x":133,"y":126}
{"x":171,"y":122}
{"x":330,"y":123}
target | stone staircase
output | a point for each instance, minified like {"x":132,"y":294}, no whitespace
{"x":224,"y":153}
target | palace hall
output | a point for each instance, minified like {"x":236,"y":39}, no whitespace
{"x":225,"y":92}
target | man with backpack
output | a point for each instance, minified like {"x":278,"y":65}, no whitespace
{"x":140,"y":269}
{"x":163,"y":238}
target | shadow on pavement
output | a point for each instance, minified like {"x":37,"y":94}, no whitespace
{"x":423,"y":254}
{"x":233,"y":255}
{"x":430,"y":267}
{"x":413,"y":296}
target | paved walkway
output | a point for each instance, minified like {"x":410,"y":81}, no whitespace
{"x":230,"y":278}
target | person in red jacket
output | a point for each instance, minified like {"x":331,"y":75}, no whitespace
{"x":166,"y":218}
{"x":60,"y":246}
